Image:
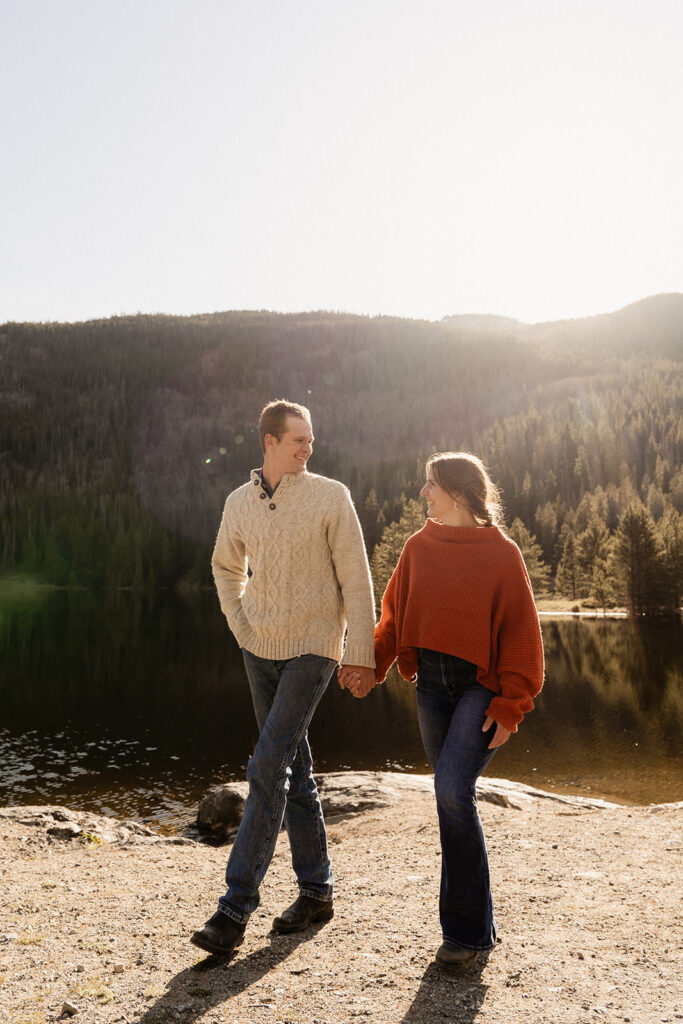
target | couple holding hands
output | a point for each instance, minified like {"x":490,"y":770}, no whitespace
{"x":459,"y":616}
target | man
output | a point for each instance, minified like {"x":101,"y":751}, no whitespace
{"x":299,"y":536}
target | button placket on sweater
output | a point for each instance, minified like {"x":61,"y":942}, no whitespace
{"x":271,"y":504}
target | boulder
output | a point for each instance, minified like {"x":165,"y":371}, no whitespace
{"x":344,"y":793}
{"x":221,"y":810}
{"x":69,"y":830}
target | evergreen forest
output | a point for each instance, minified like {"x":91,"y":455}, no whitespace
{"x":120,"y":438}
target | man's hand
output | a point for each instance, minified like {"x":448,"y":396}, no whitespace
{"x":500,"y":736}
{"x":358,"y":679}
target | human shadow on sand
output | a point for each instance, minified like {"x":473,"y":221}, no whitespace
{"x":449,"y":994}
{"x":214,"y":981}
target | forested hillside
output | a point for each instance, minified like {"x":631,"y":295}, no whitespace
{"x":120,"y":438}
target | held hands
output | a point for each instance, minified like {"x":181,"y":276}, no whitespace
{"x":358,"y":679}
{"x":500,"y":736}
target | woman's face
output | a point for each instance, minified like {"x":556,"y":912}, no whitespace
{"x":440,"y":505}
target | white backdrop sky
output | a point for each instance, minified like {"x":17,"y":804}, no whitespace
{"x":408,"y":157}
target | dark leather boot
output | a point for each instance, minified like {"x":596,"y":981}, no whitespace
{"x":454,"y":956}
{"x":304,"y":911}
{"x":220,"y":935}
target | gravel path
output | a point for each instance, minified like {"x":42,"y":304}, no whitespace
{"x":586,"y":900}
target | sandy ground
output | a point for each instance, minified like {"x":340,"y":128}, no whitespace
{"x":586,"y":901}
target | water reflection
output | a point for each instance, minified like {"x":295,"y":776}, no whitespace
{"x":609,"y":718}
{"x":134,"y":705}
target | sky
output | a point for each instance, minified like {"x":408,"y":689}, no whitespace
{"x":415,"y":158}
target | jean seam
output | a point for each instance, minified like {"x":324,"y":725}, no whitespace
{"x":319,"y":834}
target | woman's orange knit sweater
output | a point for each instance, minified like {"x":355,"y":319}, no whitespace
{"x":465,"y":591}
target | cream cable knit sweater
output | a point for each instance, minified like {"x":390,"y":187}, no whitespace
{"x":309,"y":571}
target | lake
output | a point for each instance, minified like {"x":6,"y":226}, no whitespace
{"x":134,"y":705}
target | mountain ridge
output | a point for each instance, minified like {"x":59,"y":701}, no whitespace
{"x":655,"y":321}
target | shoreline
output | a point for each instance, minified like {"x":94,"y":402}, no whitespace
{"x":342,"y":794}
{"x":17,"y":586}
{"x":611,"y":615}
{"x":182,"y":822}
{"x":549,"y":607}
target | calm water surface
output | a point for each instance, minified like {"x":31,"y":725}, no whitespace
{"x":131,"y":705}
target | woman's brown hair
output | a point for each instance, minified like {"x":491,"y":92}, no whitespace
{"x":465,"y":476}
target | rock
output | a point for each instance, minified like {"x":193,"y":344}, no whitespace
{"x":68,"y":831}
{"x":222,"y":808}
{"x":69,"y":1009}
{"x":65,"y":824}
{"x":351,"y":793}
{"x":61,"y":814}
{"x":493,"y":797}
{"x":118,"y":968}
{"x":136,"y":828}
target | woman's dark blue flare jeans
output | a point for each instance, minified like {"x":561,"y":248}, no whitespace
{"x":451,"y":707}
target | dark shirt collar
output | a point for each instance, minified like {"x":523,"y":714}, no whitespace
{"x":288,"y":479}
{"x":270,"y":492}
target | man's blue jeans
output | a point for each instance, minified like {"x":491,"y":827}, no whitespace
{"x":451,"y":708}
{"x":281,"y":784}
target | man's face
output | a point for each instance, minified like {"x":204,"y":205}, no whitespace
{"x":291,"y":453}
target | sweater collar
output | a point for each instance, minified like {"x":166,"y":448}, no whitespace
{"x":287,"y":480}
{"x":461,"y":534}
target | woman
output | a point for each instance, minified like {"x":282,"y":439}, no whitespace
{"x":459,"y":615}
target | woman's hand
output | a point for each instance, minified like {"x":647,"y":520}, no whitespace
{"x":357,"y":679}
{"x":500,"y":736}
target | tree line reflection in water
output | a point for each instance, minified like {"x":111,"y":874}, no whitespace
{"x":136,"y":703}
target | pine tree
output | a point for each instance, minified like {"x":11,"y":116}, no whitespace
{"x":601,"y":588}
{"x":637,"y":562}
{"x":592,"y":550}
{"x":369,"y":519}
{"x":662,"y":473}
{"x":568,"y":578}
{"x":527,"y":495}
{"x":655,"y":502}
{"x":582,"y":471}
{"x":583,"y":513}
{"x":676,"y":490}
{"x":670,"y":533}
{"x":539,"y":573}
{"x":545,"y":521}
{"x":388,"y":550}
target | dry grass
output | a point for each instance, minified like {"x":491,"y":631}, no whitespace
{"x":92,"y":988}
{"x":32,"y":938}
